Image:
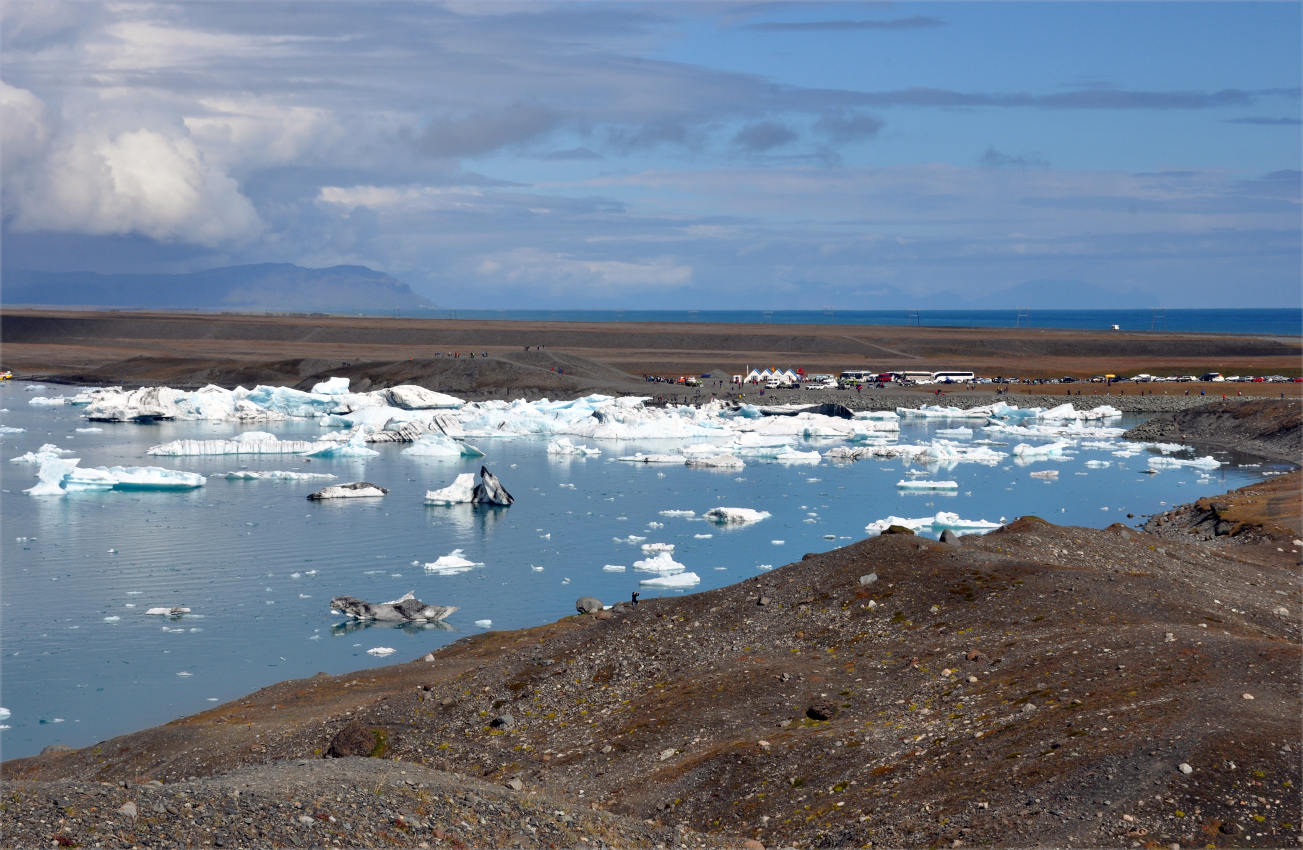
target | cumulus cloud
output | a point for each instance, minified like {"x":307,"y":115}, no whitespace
{"x":141,"y":181}
{"x":23,"y":127}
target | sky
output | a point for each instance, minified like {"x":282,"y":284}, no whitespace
{"x":703,"y":155}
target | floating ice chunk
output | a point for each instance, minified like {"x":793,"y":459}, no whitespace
{"x":735,"y":516}
{"x":1125,"y":453}
{"x":355,"y":447}
{"x":5,"y":713}
{"x":57,"y":476}
{"x":702,"y":536}
{"x":639,"y":457}
{"x":723,"y":461}
{"x":42,"y":401}
{"x":276,"y":475}
{"x":632,"y":538}
{"x":1208,"y":462}
{"x":1047,"y":474}
{"x":112,"y":618}
{"x":661,"y":562}
{"x":778,"y":542}
{"x":685,"y":579}
{"x":45,"y":452}
{"x":1028,"y":451}
{"x":437,"y":445}
{"x":460,"y":491}
{"x":452,"y":564}
{"x":961,"y":433}
{"x":250,"y":442}
{"x":380,"y":651}
{"x":411,"y":397}
{"x":921,"y":484}
{"x":563,"y":446}
{"x":166,"y":611}
{"x":941,"y":521}
{"x":613,"y":568}
{"x":651,"y":548}
{"x":484,"y":624}
{"x":791,"y":455}
{"x":1098,"y":464}
{"x":9,"y":429}
{"x":352,"y":490}
{"x":677,"y":513}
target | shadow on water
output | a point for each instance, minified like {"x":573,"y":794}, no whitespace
{"x":349,"y":626}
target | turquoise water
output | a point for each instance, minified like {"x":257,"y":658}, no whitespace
{"x":1274,"y":322}
{"x":257,"y":563}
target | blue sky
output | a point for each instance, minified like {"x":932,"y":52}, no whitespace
{"x":694,"y":155}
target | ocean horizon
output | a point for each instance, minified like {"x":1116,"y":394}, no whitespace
{"x":1282,"y":321}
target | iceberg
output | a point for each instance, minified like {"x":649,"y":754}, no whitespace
{"x":381,"y":651}
{"x":942,"y":521}
{"x":352,"y":490}
{"x":331,"y":386}
{"x":438,"y":445}
{"x":9,"y":429}
{"x":1047,"y":474}
{"x":920,"y":484}
{"x":42,"y":401}
{"x":563,"y":446}
{"x":724,"y":461}
{"x":452,"y":564}
{"x":248,"y":443}
{"x":735,"y":516}
{"x":411,"y":397}
{"x":276,"y":475}
{"x":678,"y":513}
{"x":661,"y":562}
{"x":1161,"y":462}
{"x":651,"y":548}
{"x":44,"y":453}
{"x":57,"y":476}
{"x":354,"y":448}
{"x":1027,"y":451}
{"x":460,"y":491}
{"x":639,"y":457}
{"x":685,"y":579}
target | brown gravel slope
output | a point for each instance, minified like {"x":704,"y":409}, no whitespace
{"x":1037,"y":685}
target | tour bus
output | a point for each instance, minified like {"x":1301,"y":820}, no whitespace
{"x":857,"y":376}
{"x":914,"y":377}
{"x":953,"y":377}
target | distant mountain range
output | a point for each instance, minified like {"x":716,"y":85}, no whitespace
{"x":275,"y":287}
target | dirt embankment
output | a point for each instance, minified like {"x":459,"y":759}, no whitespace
{"x":1265,"y":427}
{"x":1037,"y":685}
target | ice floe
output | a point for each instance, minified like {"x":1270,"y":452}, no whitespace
{"x":941,"y":521}
{"x":438,"y":445}
{"x":735,"y":516}
{"x":460,"y":491}
{"x":683,"y":579}
{"x":1164,"y":462}
{"x":248,"y":443}
{"x":661,"y":562}
{"x":563,"y":446}
{"x":46,"y":452}
{"x":275,"y":475}
{"x":923,"y":484}
{"x":381,"y":651}
{"x":58,"y":476}
{"x":452,"y":564}
{"x":352,"y":490}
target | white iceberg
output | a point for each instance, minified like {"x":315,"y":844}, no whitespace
{"x":735,"y":516}
{"x":460,"y":491}
{"x":250,"y":443}
{"x":563,"y":446}
{"x":381,"y":651}
{"x":678,"y":513}
{"x":438,"y":445}
{"x":1208,"y":462}
{"x":168,"y":611}
{"x":650,"y":548}
{"x":661,"y":562}
{"x":58,"y":476}
{"x":411,"y":397}
{"x":331,"y":386}
{"x":276,"y":475}
{"x":724,"y":461}
{"x":354,"y":448}
{"x":613,"y":568}
{"x":961,"y":433}
{"x":921,"y":484}
{"x":1027,"y":451}
{"x":44,"y":453}
{"x":941,"y":521}
{"x":684,"y":579}
{"x":452,"y":564}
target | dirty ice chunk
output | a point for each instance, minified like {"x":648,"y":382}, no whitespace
{"x":921,"y":484}
{"x":735,"y":516}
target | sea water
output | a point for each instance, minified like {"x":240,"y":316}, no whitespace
{"x":257,"y":563}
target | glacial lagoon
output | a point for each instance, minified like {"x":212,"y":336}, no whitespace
{"x":256,"y":563}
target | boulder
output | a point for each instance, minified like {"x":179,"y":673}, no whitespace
{"x":588,"y":604}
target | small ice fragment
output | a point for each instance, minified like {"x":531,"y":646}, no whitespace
{"x":164,"y":611}
{"x":381,"y":651}
{"x":185,"y":674}
{"x":112,"y":618}
{"x":484,"y":624}
{"x":778,"y":542}
{"x":613,"y":568}
{"x":702,"y":536}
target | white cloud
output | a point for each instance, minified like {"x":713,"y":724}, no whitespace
{"x":250,"y":132}
{"x":23,"y":127}
{"x":401,"y":198}
{"x":140,"y":181}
